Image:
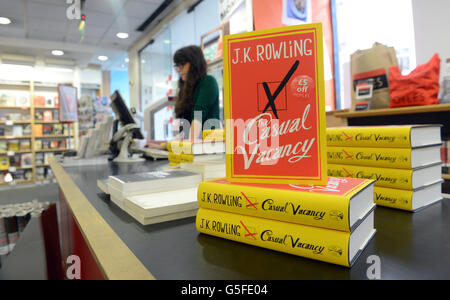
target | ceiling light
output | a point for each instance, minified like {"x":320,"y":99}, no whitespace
{"x":5,"y":21}
{"x":122,"y":35}
{"x":57,"y":52}
{"x":127,"y":60}
{"x":103,"y":58}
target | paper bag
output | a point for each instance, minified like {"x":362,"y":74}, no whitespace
{"x":370,"y":68}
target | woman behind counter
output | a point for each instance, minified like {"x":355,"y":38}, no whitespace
{"x":198,"y":93}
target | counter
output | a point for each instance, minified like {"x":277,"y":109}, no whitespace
{"x":408,"y":245}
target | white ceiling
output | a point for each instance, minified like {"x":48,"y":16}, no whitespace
{"x":39,"y":26}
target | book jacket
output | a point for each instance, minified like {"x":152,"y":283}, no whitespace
{"x":326,"y":206}
{"x":326,"y":245}
{"x":275,"y":106}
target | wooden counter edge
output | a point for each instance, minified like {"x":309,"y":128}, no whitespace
{"x":394,"y":111}
{"x":114,"y":258}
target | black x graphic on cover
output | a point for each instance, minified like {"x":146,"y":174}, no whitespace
{"x":271,"y":97}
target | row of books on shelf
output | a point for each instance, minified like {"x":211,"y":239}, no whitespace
{"x":55,"y":144}
{"x":24,"y":160}
{"x":18,"y":176}
{"x":52,"y":129}
{"x":25,"y":145}
{"x":15,"y":145}
{"x":22,"y":100}
{"x":46,"y":115}
{"x":8,"y":116}
{"x":15,"y":131}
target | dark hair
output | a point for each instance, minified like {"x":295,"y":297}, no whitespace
{"x":197,"y":70}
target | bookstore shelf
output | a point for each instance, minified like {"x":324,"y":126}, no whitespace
{"x":15,"y":137}
{"x":29,"y":134}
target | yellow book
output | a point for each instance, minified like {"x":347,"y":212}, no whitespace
{"x":396,"y":136}
{"x":408,"y":200}
{"x":340,"y":205}
{"x":13,"y":145}
{"x":332,"y":246}
{"x":398,"y":158}
{"x":213,"y":135}
{"x":4,"y":163}
{"x":174,"y":157}
{"x":388,"y":177}
{"x":186,"y":147}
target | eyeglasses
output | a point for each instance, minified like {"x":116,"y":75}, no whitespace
{"x":180,"y":65}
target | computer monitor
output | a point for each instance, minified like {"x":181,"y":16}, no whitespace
{"x":158,"y":118}
{"x":123,"y":114}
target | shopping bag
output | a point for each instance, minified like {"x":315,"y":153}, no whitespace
{"x":420,"y":87}
{"x":369,"y":71}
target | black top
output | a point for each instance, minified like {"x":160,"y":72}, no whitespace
{"x":408,"y":245}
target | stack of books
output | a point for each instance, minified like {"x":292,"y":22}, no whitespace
{"x":206,"y":156}
{"x":405,"y":161}
{"x":331,"y":223}
{"x":154,"y":197}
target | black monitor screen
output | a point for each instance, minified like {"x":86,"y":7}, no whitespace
{"x":123,"y":114}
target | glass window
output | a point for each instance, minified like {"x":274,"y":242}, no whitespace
{"x":362,"y":23}
{"x":156,"y":58}
{"x":156,"y":69}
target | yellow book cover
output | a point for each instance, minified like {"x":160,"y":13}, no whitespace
{"x":394,"y":198}
{"x":332,"y":246}
{"x":398,"y":158}
{"x":13,"y":145}
{"x":410,"y":200}
{"x":200,"y":147}
{"x":395,"y":136}
{"x":213,"y":135}
{"x":340,"y":205}
{"x":385,"y":177}
{"x":174,"y":157}
{"x":274,"y":105}
{"x":4,"y":163}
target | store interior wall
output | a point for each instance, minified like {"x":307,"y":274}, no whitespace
{"x":432,"y":29}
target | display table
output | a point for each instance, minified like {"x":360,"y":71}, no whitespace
{"x":112,"y":245}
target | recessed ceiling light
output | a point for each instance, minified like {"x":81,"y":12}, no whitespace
{"x":122,"y":35}
{"x":5,"y":21}
{"x":57,"y":52}
{"x":103,"y":58}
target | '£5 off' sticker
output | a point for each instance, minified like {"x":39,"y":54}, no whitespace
{"x":302,"y":86}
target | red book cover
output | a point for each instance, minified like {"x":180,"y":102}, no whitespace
{"x":48,"y":116}
{"x":39,"y":101}
{"x":275,"y":106}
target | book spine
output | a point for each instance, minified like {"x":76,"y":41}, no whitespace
{"x":394,"y":198}
{"x":385,"y":177}
{"x":376,"y":157}
{"x":381,"y":137}
{"x":289,"y":206}
{"x":311,"y":242}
